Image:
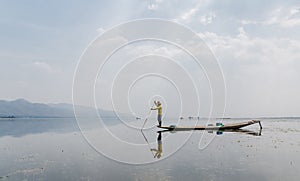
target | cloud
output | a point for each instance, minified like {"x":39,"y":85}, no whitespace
{"x":248,"y":22}
{"x":100,"y":30}
{"x":242,"y":34}
{"x":258,"y":70}
{"x":45,"y":67}
{"x":193,"y":12}
{"x":284,"y":17}
{"x":207,"y":18}
{"x":242,"y":46}
{"x":159,"y":49}
{"x":154,"y":5}
{"x":187,"y":16}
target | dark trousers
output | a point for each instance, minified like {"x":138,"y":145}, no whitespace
{"x":159,"y":119}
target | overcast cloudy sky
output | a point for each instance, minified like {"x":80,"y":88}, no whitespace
{"x":257,"y":43}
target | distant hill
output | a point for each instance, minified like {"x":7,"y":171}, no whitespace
{"x":23,"y":108}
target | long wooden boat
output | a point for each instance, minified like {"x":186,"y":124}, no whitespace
{"x":220,"y":132}
{"x":231,"y":126}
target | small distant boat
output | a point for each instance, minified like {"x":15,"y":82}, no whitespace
{"x":10,"y":116}
{"x":231,"y":126}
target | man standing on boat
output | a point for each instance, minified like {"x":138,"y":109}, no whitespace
{"x":159,"y":111}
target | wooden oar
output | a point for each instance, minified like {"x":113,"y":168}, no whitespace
{"x":147,"y":117}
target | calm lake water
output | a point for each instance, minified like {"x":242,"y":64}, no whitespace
{"x":56,"y":149}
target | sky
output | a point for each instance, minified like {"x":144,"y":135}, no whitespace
{"x":257,"y":44}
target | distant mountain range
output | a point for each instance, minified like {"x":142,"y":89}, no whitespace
{"x":21,"y":108}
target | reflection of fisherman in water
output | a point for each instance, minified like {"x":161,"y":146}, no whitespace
{"x":158,"y":151}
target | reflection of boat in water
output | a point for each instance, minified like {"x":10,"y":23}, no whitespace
{"x":232,"y":126}
{"x":219,"y":130}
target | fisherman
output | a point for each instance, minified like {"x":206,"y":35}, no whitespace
{"x":159,"y":111}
